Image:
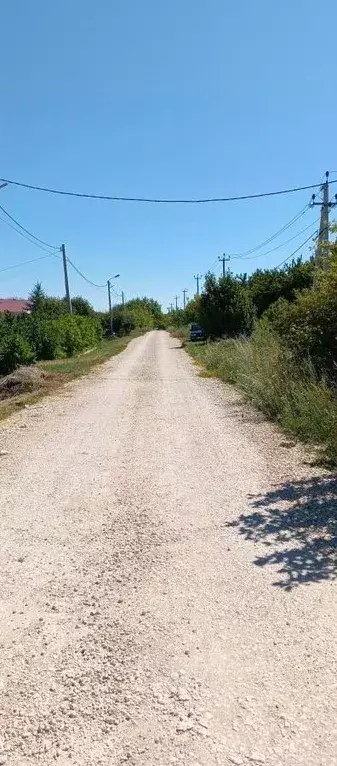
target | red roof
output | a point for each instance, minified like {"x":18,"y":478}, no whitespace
{"x":15,"y":305}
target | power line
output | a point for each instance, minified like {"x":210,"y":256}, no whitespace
{"x":24,"y":235}
{"x":295,"y":252}
{"x":25,"y":263}
{"x":83,"y":275}
{"x":278,"y":247}
{"x":273,"y":236}
{"x":159,"y":200}
{"x":53,"y":247}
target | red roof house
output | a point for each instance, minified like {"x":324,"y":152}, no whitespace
{"x":15,"y":306}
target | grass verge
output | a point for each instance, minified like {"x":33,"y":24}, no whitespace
{"x":54,"y":374}
{"x":272,"y":381}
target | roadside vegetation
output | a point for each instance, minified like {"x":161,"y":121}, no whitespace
{"x":44,"y":349}
{"x":275,"y":337}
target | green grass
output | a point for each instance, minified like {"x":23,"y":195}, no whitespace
{"x":61,"y":371}
{"x":284,"y":390}
{"x":74,"y":367}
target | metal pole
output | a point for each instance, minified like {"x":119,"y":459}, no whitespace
{"x":224,"y":260}
{"x":184,"y":294}
{"x":110,"y":309}
{"x":322,"y":254}
{"x":66,"y":280}
{"x":324,"y":224}
{"x":197,"y":278}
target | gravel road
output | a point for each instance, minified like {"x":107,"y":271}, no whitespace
{"x":167,"y":577}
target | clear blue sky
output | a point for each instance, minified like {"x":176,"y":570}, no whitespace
{"x":175,"y":99}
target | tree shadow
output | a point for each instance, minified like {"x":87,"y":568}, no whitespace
{"x":298,"y":520}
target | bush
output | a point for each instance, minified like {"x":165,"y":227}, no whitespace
{"x":309,"y":325}
{"x":66,"y":336}
{"x":266,"y":286}
{"x":45,"y":336}
{"x":78,"y":333}
{"x":81,"y":306}
{"x":15,"y":351}
{"x":123,"y":322}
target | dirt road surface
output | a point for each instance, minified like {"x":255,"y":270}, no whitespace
{"x":167,"y":594}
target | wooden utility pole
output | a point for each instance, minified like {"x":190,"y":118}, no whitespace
{"x":66,"y":280}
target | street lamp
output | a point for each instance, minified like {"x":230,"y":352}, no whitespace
{"x":110,"y":304}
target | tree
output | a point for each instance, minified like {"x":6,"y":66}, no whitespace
{"x":191,"y":311}
{"x":82,"y":307}
{"x":266,"y":286}
{"x":308,"y":325}
{"x":225,"y":307}
{"x":37,"y":296}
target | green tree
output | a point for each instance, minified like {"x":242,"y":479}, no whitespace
{"x":225,"y":307}
{"x":52,"y":308}
{"x":37,"y":296}
{"x":192,"y":311}
{"x":82,"y":307}
{"x":308,"y":325}
{"x":266,"y":286}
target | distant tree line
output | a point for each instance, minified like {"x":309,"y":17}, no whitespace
{"x":49,"y":332}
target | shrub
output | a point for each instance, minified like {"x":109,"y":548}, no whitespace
{"x":78,"y":333}
{"x":15,"y":351}
{"x":309,"y":325}
{"x":81,"y":306}
{"x":45,"y":336}
{"x":66,"y":336}
{"x":266,"y":286}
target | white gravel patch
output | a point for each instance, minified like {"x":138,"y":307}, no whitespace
{"x":167,"y":577}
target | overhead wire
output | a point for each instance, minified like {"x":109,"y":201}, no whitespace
{"x":156,"y":200}
{"x":86,"y":279}
{"x":24,"y":235}
{"x":273,"y":236}
{"x":42,"y":242}
{"x":278,"y":247}
{"x":25,"y":263}
{"x":295,"y":251}
{"x":116,"y":293}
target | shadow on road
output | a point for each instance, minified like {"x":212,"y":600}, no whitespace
{"x":298,"y":522}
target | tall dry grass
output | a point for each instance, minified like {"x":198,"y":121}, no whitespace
{"x":276,"y":384}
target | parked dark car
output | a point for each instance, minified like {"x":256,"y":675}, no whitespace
{"x":196,"y":333}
